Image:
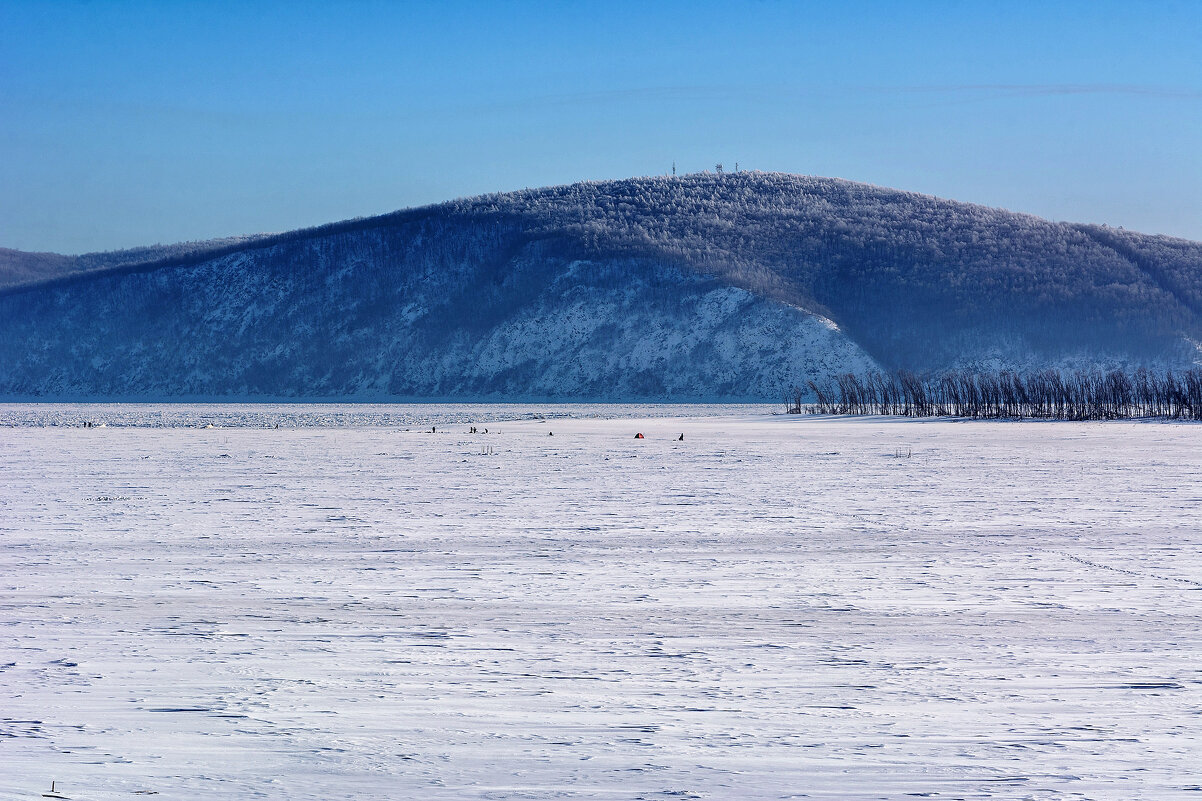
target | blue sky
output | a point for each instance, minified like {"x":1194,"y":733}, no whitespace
{"x":127,"y":123}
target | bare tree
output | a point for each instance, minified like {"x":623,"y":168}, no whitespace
{"x":1050,"y":394}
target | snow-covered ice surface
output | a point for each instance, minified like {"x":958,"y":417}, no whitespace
{"x":342,"y":415}
{"x":776,"y":607}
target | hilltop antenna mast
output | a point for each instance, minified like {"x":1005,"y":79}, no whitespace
{"x":673,"y":168}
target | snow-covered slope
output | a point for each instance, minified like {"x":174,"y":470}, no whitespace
{"x":548,"y":328}
{"x":691,"y":288}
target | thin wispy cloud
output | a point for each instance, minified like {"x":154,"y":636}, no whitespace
{"x":1041,"y":89}
{"x":765,"y":93}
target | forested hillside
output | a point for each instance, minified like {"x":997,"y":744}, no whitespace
{"x":696,"y":287}
{"x":18,"y":268}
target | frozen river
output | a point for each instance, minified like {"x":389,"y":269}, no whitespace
{"x":774,"y":607}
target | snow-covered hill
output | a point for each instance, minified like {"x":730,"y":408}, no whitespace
{"x":691,"y":288}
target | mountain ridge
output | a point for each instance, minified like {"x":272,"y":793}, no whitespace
{"x":901,"y":279}
{"x":92,"y":263}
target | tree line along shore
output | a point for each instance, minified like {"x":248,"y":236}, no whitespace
{"x":1006,"y":394}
